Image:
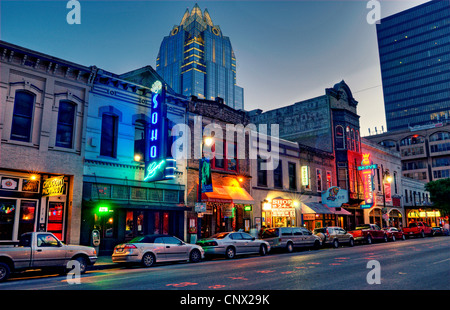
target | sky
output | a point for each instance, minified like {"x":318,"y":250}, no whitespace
{"x":286,"y":51}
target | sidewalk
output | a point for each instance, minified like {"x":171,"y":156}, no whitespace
{"x":104,"y":262}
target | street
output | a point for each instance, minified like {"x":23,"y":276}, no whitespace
{"x":414,"y":264}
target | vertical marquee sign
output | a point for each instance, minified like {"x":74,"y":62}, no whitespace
{"x":367,"y":175}
{"x":158,"y":165}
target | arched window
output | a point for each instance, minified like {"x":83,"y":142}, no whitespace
{"x":439,"y":136}
{"x":340,"y":137}
{"x":411,"y":140}
{"x":65,"y":126}
{"x":22,"y":116}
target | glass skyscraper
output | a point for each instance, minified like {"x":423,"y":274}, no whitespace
{"x":414,"y":50}
{"x":196,"y":59}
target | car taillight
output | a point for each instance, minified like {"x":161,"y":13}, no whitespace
{"x":210,"y":243}
{"x":129,"y":246}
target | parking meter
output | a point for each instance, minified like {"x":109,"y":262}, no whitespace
{"x":96,"y":239}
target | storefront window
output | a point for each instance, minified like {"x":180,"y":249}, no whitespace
{"x":55,"y":219}
{"x":27,"y":216}
{"x":129,"y":224}
{"x":7,"y":214}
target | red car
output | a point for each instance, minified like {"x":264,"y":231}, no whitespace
{"x":394,"y":233}
{"x":368,"y":233}
{"x":418,"y":229}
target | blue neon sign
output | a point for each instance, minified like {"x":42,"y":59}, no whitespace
{"x":157,"y":165}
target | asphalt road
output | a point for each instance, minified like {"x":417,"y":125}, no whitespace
{"x":414,"y":264}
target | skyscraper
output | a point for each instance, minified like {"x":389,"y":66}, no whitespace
{"x":414,"y":50}
{"x":196,"y":59}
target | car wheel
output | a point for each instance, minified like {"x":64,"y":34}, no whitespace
{"x":83,"y":263}
{"x":316,"y":245}
{"x":263,"y":250}
{"x":148,"y":260}
{"x":4,"y":272}
{"x":369,"y":240}
{"x":230,"y":253}
{"x":351,"y":242}
{"x":335,"y":243}
{"x":195,"y":256}
{"x":289,"y":247}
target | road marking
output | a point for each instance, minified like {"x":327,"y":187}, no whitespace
{"x":441,"y":261}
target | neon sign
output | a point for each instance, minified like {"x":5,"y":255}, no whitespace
{"x":367,"y":175}
{"x":157,"y":165}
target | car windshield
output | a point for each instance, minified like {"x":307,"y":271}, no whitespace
{"x":362,"y":227}
{"x":219,"y":235}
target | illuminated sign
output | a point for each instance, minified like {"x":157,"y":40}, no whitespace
{"x":282,"y":207}
{"x":334,"y":197}
{"x":305,"y":176}
{"x":53,"y":186}
{"x":367,"y":176}
{"x":157,"y":164}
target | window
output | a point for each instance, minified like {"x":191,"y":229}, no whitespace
{"x":349,"y":139}
{"x":319,"y":179}
{"x":22,"y":116}
{"x":329,"y":179}
{"x":340,"y":137}
{"x":108,"y":145}
{"x":225,"y":156}
{"x":292,"y":176}
{"x":64,"y":129}
{"x":262,"y":174}
{"x":139,"y":140}
{"x":45,"y":240}
{"x":278,"y":175}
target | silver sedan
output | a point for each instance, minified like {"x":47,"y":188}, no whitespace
{"x":147,"y":250}
{"x":231,"y":244}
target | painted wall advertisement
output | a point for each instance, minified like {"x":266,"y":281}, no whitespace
{"x":334,"y":197}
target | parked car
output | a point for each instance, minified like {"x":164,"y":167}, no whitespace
{"x":41,"y":250}
{"x":288,"y":238}
{"x":334,"y":236}
{"x":438,"y":231}
{"x":233,"y":243}
{"x":394,"y":234}
{"x":368,"y":233}
{"x":150,"y":249}
{"x":417,"y":229}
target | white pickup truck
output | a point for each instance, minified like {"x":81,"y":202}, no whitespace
{"x":40,"y":250}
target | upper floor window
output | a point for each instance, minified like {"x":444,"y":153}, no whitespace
{"x":278,"y":175}
{"x":139,"y":140}
{"x":349,"y":139}
{"x":108,"y":146}
{"x":225,"y":155}
{"x":438,"y":136}
{"x":65,"y":126}
{"x":415,"y":139}
{"x":340,"y":137}
{"x":22,"y":116}
{"x":292,"y":176}
{"x":262,"y":173}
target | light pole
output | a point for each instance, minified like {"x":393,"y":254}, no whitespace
{"x":208,"y":141}
{"x":386,"y":178}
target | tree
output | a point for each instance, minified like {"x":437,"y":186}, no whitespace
{"x":440,"y":194}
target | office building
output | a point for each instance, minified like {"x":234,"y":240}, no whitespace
{"x":414,"y":49}
{"x":196,"y":59}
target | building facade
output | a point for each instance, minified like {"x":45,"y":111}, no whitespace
{"x":196,"y":59}
{"x":414,"y":49}
{"x":328,"y":123}
{"x":42,"y":127}
{"x":118,"y":202}
{"x":228,"y":205}
{"x":424,"y":150}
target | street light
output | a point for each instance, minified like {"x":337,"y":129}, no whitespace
{"x":208,"y":141}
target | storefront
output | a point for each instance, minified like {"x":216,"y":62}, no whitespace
{"x":33,"y":202}
{"x":316,"y":215}
{"x":279,"y":212}
{"x":119,"y":213}
{"x":228,"y":208}
{"x":430,"y":216}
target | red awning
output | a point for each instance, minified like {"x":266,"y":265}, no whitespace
{"x":228,"y":194}
{"x":218,"y":195}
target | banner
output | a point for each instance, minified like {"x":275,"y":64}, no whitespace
{"x":334,"y":197}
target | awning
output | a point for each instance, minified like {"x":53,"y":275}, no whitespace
{"x":340,"y":212}
{"x":315,"y":207}
{"x":228,"y":194}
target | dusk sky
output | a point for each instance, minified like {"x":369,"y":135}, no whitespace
{"x":286,"y":51}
